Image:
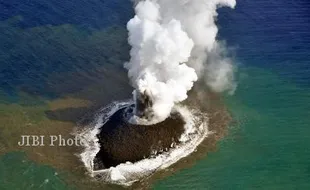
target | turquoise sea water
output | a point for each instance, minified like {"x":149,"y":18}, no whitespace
{"x":268,"y":148}
{"x":50,"y":49}
{"x":17,"y":172}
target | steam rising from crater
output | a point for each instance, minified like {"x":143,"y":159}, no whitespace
{"x":173,"y":44}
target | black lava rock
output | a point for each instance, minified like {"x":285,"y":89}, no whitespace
{"x":122,"y":141}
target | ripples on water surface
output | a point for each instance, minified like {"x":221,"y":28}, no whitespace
{"x":51,"y":50}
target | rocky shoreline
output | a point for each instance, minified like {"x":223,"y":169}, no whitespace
{"x":121,"y":141}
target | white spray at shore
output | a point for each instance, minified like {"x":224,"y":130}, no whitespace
{"x":173,"y":43}
{"x":196,"y":130}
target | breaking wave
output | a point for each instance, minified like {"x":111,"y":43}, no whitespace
{"x":196,"y":130}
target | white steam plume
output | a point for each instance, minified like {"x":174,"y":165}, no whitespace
{"x":173,"y":42}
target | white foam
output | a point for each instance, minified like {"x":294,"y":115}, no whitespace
{"x":127,"y":173}
{"x":89,"y":135}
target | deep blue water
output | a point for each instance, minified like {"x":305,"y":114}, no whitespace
{"x":268,"y":147}
{"x":41,"y":38}
{"x":86,"y":13}
{"x":53,"y":48}
{"x":272,"y":34}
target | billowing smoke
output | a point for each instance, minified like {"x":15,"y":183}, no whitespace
{"x":173,"y":43}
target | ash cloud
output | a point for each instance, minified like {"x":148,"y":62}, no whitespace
{"x":173,"y":45}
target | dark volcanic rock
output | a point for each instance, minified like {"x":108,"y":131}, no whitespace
{"x":121,"y":141}
{"x":144,"y":106}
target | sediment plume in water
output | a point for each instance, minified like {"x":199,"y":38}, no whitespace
{"x":117,"y":151}
{"x":173,"y":45}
